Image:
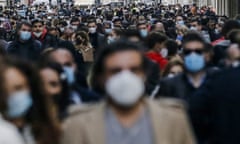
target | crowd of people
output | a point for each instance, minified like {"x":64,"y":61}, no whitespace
{"x":135,"y":74}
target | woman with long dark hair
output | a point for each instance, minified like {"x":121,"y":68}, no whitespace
{"x":56,"y":87}
{"x":27,"y":105}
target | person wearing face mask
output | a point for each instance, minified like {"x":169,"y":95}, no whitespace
{"x":96,"y":38}
{"x":107,"y":27}
{"x":24,"y":46}
{"x":126,"y":116}
{"x":195,"y":76}
{"x":84,"y":52}
{"x":62,"y":25}
{"x":114,"y":36}
{"x":75,"y":22}
{"x":76,"y":81}
{"x":179,"y":21}
{"x":9,"y":133}
{"x":157,"y":51}
{"x":173,"y":68}
{"x":181,"y":30}
{"x":143,"y":29}
{"x":26,"y":103}
{"x":56,"y":87}
{"x":83,"y":46}
{"x":40,"y":33}
{"x":197,"y":26}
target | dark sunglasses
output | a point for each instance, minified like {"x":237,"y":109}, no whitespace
{"x":187,"y":51}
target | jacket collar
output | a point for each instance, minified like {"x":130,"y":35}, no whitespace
{"x":97,"y":127}
{"x":158,"y":121}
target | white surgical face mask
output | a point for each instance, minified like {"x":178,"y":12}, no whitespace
{"x":170,"y":75}
{"x":92,"y":30}
{"x":217,"y":31}
{"x":164,"y":52}
{"x":74,"y":27}
{"x":125,"y":88}
{"x":62,"y":29}
{"x":37,"y":34}
{"x":193,"y":28}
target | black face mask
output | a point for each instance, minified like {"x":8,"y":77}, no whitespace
{"x":56,"y":98}
{"x":79,"y":41}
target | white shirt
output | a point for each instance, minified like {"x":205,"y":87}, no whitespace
{"x":9,"y":134}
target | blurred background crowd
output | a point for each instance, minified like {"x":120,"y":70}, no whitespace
{"x":135,"y":74}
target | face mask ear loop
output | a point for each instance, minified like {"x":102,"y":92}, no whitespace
{"x":155,"y":91}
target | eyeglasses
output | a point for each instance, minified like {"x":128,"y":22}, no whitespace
{"x":197,"y":50}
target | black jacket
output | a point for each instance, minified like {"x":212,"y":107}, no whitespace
{"x":29,"y":50}
{"x":180,"y":87}
{"x":153,"y":76}
{"x":220,"y":52}
{"x":97,"y":40}
{"x":217,"y":106}
{"x":177,"y":87}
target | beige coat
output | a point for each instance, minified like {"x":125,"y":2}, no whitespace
{"x":170,"y":124}
{"x":87,"y":52}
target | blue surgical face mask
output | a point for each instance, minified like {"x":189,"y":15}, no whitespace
{"x":143,"y":33}
{"x":180,"y":22}
{"x":18,"y":104}
{"x":70,"y":74}
{"x":25,"y":35}
{"x":194,"y":62}
{"x":179,"y":37}
{"x":108,"y":31}
{"x":110,"y":40}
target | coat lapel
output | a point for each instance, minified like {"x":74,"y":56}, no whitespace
{"x":95,"y":126}
{"x":159,"y":123}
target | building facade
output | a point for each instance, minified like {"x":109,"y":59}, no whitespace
{"x":227,"y":7}
{"x":84,"y":2}
{"x":223,"y":7}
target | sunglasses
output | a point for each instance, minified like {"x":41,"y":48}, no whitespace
{"x":187,"y":51}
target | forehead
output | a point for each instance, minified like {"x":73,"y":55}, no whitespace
{"x":49,"y":74}
{"x":179,"y":17}
{"x":14,"y":76}
{"x":92,"y":24}
{"x":142,"y":25}
{"x":124,"y":60}
{"x":37,"y":24}
{"x":194,"y":45}
{"x":62,"y":56}
{"x":25,"y":27}
{"x":194,"y":22}
{"x":176,"y":68}
{"x":75,"y":21}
